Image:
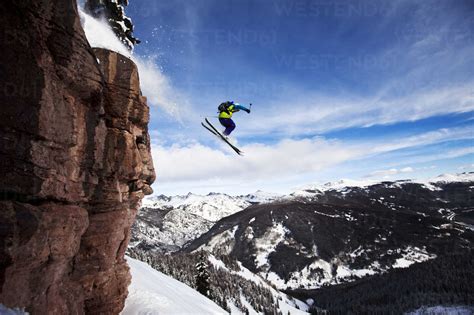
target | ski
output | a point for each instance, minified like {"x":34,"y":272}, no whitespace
{"x":215,"y":132}
{"x":210,"y":130}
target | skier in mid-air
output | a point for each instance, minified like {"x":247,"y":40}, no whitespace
{"x":226,"y":110}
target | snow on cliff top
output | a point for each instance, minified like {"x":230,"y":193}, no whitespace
{"x":152,"y":292}
{"x":100,"y":35}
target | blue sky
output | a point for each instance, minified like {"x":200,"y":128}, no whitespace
{"x":340,"y":89}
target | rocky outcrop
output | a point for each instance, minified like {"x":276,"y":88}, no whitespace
{"x":75,"y":163}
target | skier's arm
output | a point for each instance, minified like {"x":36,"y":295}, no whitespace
{"x":240,"y":107}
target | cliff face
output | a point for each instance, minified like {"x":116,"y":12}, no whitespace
{"x":74,"y":163}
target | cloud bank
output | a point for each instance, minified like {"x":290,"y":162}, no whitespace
{"x":317,"y":114}
{"x":291,"y":158}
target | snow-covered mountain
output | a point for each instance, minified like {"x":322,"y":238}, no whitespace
{"x":313,"y":190}
{"x":212,"y":206}
{"x":233,"y":287}
{"x":166,"y":223}
{"x":339,"y":234}
{"x":324,"y":236}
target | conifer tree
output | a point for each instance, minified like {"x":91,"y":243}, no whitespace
{"x":202,"y":275}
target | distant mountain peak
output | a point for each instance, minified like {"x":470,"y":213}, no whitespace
{"x":459,"y":177}
{"x":324,"y":236}
{"x":344,"y":184}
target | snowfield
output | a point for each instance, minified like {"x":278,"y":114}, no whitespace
{"x":412,"y":255}
{"x":286,"y":304}
{"x":153,"y":293}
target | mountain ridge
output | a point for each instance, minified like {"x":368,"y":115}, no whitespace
{"x":303,"y":243}
{"x":346,"y":233}
{"x":167,"y":223}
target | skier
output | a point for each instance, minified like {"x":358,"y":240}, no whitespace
{"x":226,"y":110}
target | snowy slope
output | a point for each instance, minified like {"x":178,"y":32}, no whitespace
{"x":280,"y":243}
{"x":286,"y":304}
{"x":152,"y":292}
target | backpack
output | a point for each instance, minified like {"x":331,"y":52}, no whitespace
{"x":224,"y":107}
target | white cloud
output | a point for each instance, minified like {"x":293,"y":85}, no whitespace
{"x":317,"y":113}
{"x":288,"y":157}
{"x":466,"y":167}
{"x":450,"y":154}
{"x":442,"y":155}
{"x":424,"y":75}
{"x":296,"y":111}
{"x":440,"y":135}
{"x":195,"y":163}
{"x":159,"y":90}
{"x":390,"y":172}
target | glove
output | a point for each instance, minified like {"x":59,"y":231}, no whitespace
{"x":248,"y":111}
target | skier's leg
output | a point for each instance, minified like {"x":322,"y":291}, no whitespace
{"x":230,"y":128}
{"x":225,"y":123}
{"x":228,"y":124}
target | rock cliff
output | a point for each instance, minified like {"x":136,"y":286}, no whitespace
{"x":75,"y":163}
